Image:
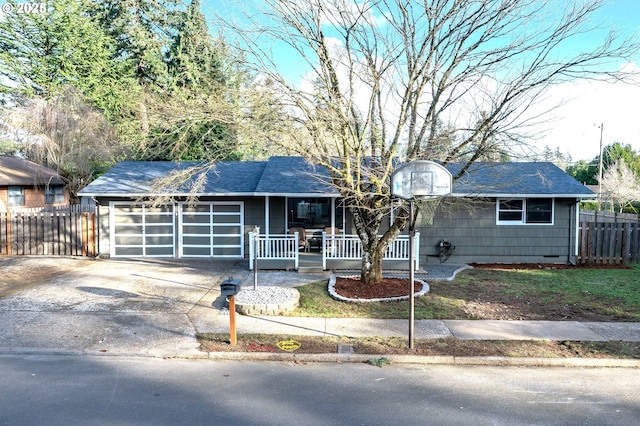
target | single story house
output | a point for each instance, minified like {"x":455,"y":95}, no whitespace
{"x":24,"y":184}
{"x":503,"y":212}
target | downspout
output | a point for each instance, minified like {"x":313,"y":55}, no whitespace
{"x":576,"y":212}
{"x":98,"y":226}
{"x":333,"y":213}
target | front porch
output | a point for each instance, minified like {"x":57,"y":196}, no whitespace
{"x":335,"y":252}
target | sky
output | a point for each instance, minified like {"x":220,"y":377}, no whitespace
{"x":590,"y":110}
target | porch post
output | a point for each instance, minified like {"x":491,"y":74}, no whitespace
{"x":266,"y":225}
{"x":266,"y":216}
{"x":333,"y":213}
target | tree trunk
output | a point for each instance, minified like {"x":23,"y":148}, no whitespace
{"x":367,"y":224}
{"x":371,"y":272}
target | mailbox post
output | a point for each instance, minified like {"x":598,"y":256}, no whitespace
{"x":230,"y":288}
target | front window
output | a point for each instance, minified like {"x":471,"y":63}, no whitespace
{"x":16,"y":196}
{"x":312,"y":213}
{"x":525,"y":211}
{"x":54,"y":195}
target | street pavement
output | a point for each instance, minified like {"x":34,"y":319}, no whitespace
{"x":152,"y":307}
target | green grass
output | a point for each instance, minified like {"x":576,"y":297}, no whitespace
{"x":554,"y":294}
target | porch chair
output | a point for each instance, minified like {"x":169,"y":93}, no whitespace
{"x":302,"y":237}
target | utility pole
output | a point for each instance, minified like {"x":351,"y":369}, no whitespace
{"x":600,"y":169}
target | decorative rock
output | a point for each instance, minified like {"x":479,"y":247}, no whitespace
{"x":267,"y":300}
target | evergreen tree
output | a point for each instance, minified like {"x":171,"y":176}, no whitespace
{"x":196,"y":119}
{"x":194,"y":61}
{"x":43,"y":53}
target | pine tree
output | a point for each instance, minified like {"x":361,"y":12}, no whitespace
{"x":43,"y":53}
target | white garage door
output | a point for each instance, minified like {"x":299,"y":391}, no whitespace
{"x":212,"y":230}
{"x":141,"y":231}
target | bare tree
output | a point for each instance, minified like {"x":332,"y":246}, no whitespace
{"x":446,"y":80}
{"x":620,"y":186}
{"x":67,"y":135}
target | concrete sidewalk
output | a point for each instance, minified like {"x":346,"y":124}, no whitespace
{"x":155,"y":308}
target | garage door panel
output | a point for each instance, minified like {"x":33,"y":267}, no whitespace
{"x":160,"y":251}
{"x":227,"y":208}
{"x":154,"y":240}
{"x":203,"y":230}
{"x":212,"y":230}
{"x":141,"y":231}
{"x":196,"y":252}
{"x":195,"y":240}
{"x":226,"y":240}
{"x":195,"y":229}
{"x":164,"y":229}
{"x":130,"y":251}
{"x":130,"y":230}
{"x":227,"y":230}
{"x":201,"y":219}
{"x":224,"y":251}
{"x":226,"y":219}
{"x":133,"y":240}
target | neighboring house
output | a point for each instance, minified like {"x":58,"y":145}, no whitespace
{"x":512,"y":212}
{"x":24,"y":184}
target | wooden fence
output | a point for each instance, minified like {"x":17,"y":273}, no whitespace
{"x":600,"y":216}
{"x":60,"y":231}
{"x":608,"y":243}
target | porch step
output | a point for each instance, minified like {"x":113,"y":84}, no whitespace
{"x":310,"y":269}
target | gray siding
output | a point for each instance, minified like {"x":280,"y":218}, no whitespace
{"x":477,"y":238}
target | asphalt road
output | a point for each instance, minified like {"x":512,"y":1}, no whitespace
{"x":88,"y":390}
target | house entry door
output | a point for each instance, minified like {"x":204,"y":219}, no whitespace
{"x":211,"y":229}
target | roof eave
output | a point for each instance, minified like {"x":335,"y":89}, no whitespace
{"x":489,"y":195}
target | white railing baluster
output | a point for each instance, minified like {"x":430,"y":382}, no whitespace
{"x":338,"y":247}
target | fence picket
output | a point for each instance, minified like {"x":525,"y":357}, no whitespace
{"x":608,"y":243}
{"x":59,"y":231}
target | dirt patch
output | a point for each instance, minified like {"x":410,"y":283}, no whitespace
{"x":525,"y":266}
{"x":22,"y":273}
{"x":431,"y":347}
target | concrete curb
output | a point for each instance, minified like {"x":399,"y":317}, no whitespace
{"x":429,"y":360}
{"x":491,"y":361}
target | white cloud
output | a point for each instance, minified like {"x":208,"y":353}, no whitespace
{"x":575,"y":125}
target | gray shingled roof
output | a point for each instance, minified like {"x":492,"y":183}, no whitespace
{"x":136,"y":178}
{"x":18,"y":171}
{"x":533,"y":179}
{"x":294,"y":176}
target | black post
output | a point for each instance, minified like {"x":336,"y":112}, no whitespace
{"x":411,"y":274}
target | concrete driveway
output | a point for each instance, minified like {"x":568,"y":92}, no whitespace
{"x":140,"y":307}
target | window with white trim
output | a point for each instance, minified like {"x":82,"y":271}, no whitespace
{"x":524,"y":211}
{"x":16,"y":196}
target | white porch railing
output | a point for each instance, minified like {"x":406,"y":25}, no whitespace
{"x":334,"y":247}
{"x":273,"y":247}
{"x":349,"y":247}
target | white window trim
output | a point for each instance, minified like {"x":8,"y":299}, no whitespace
{"x":14,"y":191}
{"x":523,"y":221}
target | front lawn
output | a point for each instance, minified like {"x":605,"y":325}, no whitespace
{"x":579,"y":294}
